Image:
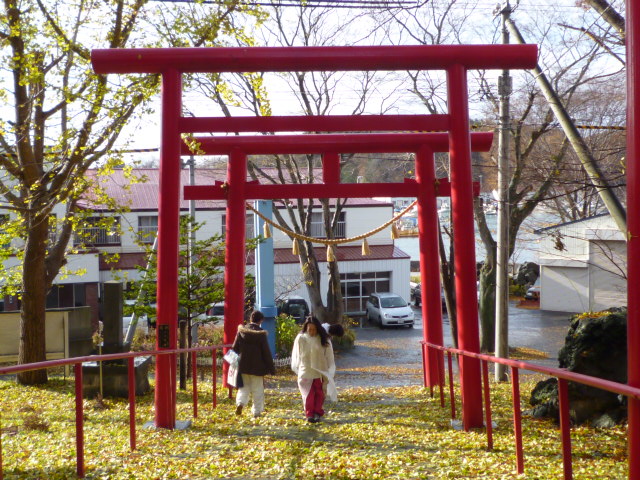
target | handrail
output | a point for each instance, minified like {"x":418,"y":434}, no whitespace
{"x":561,"y":374}
{"x":79,"y":413}
{"x":104,"y":357}
{"x":609,"y":385}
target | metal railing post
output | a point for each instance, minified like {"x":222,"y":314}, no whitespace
{"x":1,"y":475}
{"x":451,"y":389}
{"x":79,"y":421}
{"x":214,"y":373}
{"x":517,"y":419}
{"x":487,"y":403}
{"x":194,"y":382}
{"x":132,"y":402}
{"x":565,"y":427}
{"x":440,"y":357}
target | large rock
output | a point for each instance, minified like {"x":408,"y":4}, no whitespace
{"x":595,"y":345}
{"x":527,"y":274}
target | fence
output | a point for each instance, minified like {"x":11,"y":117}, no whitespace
{"x":562,"y":375}
{"x":130,"y":356}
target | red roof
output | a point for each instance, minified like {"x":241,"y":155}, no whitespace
{"x":144,"y":195}
{"x":344,"y":253}
{"x":351,"y":253}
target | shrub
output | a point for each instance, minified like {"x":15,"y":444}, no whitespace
{"x":349,"y":337}
{"x":144,"y":342}
{"x":286,"y":331}
{"x":211,"y":334}
{"x":517,"y":290}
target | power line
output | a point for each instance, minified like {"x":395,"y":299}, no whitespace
{"x":357,"y":4}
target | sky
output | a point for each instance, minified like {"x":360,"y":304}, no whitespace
{"x":145,"y":133}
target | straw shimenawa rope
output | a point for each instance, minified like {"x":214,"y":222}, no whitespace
{"x":330,"y":242}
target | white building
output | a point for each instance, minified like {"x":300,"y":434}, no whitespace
{"x":583,"y":266}
{"x":386,"y":269}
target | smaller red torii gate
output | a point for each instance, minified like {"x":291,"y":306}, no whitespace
{"x":172,"y":63}
{"x":425,"y":187}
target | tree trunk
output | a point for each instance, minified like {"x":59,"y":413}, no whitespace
{"x":311,"y":275}
{"x":447,"y":278}
{"x":335,"y":305}
{"x":487,"y":307}
{"x":32,"y":347}
{"x":487,"y":298}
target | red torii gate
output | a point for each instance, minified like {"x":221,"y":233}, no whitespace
{"x":454,"y":59}
{"x":425,"y":187}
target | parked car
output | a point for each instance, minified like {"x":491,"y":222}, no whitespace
{"x":416,"y":296}
{"x":533,"y":293}
{"x":389,"y":309}
{"x":294,"y":306}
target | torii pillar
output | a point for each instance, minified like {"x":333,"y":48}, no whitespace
{"x":633,"y":226}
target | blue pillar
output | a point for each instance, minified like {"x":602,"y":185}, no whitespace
{"x":265,"y":296}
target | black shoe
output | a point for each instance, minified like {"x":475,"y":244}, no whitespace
{"x":239,"y":410}
{"x":312,"y":420}
{"x":317,"y":417}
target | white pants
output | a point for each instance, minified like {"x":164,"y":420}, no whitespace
{"x":254,"y":386}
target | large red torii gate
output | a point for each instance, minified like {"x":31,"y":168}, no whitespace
{"x":454,"y":59}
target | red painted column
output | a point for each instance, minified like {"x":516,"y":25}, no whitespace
{"x":168,"y":245}
{"x":234,"y":260}
{"x":331,"y":168}
{"x":464,"y":246}
{"x":633,"y":225}
{"x":429,"y":261}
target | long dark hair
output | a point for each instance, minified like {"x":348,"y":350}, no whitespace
{"x":324,"y":336}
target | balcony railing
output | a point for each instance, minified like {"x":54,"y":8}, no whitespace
{"x":96,"y":237}
{"x":317,"y":230}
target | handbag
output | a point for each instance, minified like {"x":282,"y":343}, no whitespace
{"x":231,"y":357}
{"x":234,"y":377}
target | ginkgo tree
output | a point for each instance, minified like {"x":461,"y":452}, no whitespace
{"x":59,"y":120}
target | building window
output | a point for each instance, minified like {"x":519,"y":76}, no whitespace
{"x":317,"y":226}
{"x":356,"y":288}
{"x":249,"y":232}
{"x":147,"y":228}
{"x":99,"y":231}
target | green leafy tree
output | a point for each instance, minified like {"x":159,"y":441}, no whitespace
{"x":200,"y":277}
{"x":64,"y":120}
{"x":286,"y":331}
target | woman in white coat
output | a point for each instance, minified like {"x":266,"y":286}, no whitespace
{"x":312,"y":359}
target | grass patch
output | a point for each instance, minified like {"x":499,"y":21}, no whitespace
{"x":525,"y":353}
{"x":372,"y":433}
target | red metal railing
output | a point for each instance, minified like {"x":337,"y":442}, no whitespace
{"x":130,"y":356}
{"x":563,"y":377}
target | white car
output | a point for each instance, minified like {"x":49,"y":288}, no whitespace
{"x":388,"y":309}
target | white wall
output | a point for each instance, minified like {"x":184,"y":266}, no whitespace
{"x":564,"y":288}
{"x":289,"y":275}
{"x":607,"y":274}
{"x":77,"y":262}
{"x":358,"y":220}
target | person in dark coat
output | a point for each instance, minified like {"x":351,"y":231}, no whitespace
{"x":255,"y":362}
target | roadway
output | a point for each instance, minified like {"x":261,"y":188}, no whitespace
{"x":392,"y":356}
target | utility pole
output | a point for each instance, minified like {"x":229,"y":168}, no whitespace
{"x":185,"y":324}
{"x":598,"y":178}
{"x":502,"y":273}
